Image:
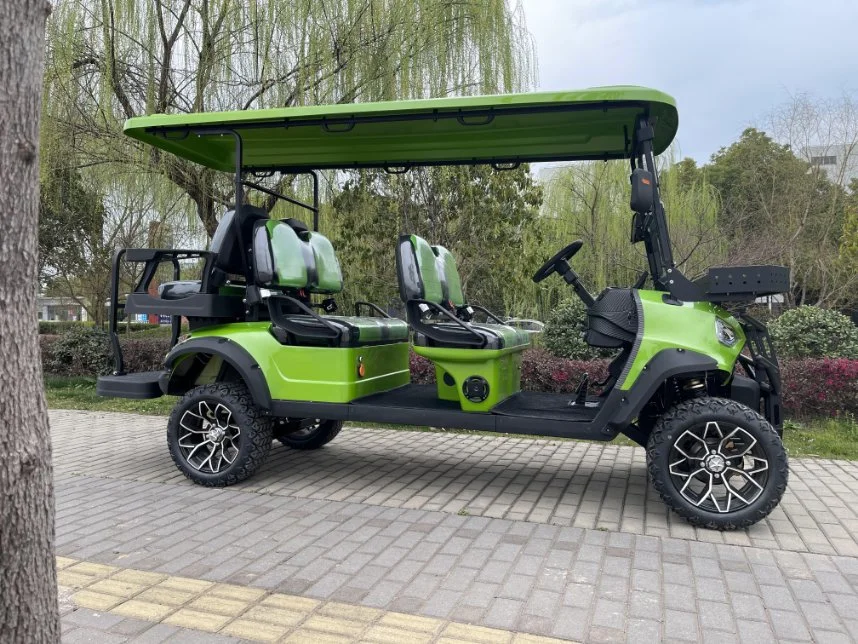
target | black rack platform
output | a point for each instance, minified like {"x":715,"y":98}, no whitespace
{"x":743,"y":283}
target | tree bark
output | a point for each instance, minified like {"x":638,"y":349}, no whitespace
{"x":28,"y":580}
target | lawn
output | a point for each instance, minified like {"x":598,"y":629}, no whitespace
{"x":824,"y":438}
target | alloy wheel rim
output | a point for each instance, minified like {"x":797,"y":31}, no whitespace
{"x":209,"y":439}
{"x":718,"y":467}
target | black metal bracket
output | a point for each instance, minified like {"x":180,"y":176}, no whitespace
{"x":763,"y":367}
{"x":372,"y":306}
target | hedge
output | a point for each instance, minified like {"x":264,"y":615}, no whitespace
{"x":62,"y":357}
{"x":813,"y":387}
{"x":60,"y":327}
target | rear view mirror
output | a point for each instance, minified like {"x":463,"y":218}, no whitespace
{"x":642,"y":190}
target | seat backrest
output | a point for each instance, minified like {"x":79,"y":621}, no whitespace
{"x":299,"y":260}
{"x":448,"y":273}
{"x":225,"y":242}
{"x":417,"y":271}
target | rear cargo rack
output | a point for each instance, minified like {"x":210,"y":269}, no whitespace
{"x":743,"y":283}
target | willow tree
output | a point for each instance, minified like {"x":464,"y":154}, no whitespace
{"x":590,"y":201}
{"x":109,"y":60}
{"x":482,"y":215}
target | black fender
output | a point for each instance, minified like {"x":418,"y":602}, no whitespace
{"x":623,"y":406}
{"x":231,"y":353}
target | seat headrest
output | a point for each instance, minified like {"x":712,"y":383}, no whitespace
{"x":451,"y":283}
{"x":326,"y":275}
{"x":417,"y":270}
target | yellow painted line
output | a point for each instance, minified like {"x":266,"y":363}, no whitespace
{"x":255,"y":614}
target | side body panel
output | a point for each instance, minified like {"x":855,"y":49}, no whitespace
{"x":689,"y":326}
{"x":320,"y":374}
{"x":501,"y":369}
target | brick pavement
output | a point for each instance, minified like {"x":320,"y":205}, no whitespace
{"x":586,"y":485}
{"x":545,"y":537}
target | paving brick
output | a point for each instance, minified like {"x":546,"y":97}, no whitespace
{"x":253,"y":630}
{"x":143,"y":610}
{"x":197,"y":619}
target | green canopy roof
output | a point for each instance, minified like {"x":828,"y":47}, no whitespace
{"x":592,"y":123}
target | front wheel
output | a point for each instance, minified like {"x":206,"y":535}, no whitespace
{"x":717,"y":463}
{"x":217,"y":436}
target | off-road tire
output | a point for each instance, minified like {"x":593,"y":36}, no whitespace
{"x":326,"y":431}
{"x":254,"y":441}
{"x":691,"y":412}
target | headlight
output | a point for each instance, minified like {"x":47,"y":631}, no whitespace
{"x":725,"y":333}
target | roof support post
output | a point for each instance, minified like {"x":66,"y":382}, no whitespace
{"x":315,"y":177}
{"x":665,"y":275}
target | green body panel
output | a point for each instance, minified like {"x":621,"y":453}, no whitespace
{"x":432,"y":290}
{"x":320,"y":374}
{"x":689,"y":326}
{"x":329,"y":277}
{"x":450,"y":275}
{"x":593,"y":123}
{"x":501,"y":368}
{"x":289,"y":267}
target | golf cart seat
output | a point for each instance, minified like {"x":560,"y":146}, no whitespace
{"x":225,"y":256}
{"x":297,"y":262}
{"x":431,"y":288}
{"x":179,"y":289}
{"x":202,"y":301}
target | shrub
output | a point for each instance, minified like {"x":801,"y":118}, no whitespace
{"x":60,"y":327}
{"x":813,"y":332}
{"x":541,"y":371}
{"x":563,"y":335}
{"x":422,"y":370}
{"x":144,"y":354}
{"x":820,"y":387}
{"x":87,"y":352}
{"x":79,"y":352}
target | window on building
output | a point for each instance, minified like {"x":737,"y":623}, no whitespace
{"x":826,"y":160}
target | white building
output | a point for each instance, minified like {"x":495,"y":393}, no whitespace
{"x":60,"y":309}
{"x":839,"y":162}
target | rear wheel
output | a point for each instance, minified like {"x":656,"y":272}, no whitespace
{"x":311,"y":433}
{"x":717,"y":463}
{"x":217,"y":436}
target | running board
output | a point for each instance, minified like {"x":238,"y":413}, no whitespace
{"x":138,"y":386}
{"x":419,"y":410}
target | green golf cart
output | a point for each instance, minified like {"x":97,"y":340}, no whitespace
{"x":267,"y":356}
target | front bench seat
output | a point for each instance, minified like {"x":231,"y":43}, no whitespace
{"x":304,"y":261}
{"x":430,"y":285}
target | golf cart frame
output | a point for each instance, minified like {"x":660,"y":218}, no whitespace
{"x":655,"y":371}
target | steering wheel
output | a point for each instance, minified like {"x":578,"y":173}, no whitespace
{"x":552,"y":264}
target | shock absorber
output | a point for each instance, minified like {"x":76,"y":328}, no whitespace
{"x":694,"y":388}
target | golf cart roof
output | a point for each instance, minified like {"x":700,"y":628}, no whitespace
{"x":596,"y":123}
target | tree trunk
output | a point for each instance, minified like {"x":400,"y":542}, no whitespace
{"x":28,"y":580}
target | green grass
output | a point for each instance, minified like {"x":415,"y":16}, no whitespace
{"x":79,"y":393}
{"x":823,"y":438}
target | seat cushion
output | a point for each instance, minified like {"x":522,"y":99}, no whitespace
{"x":495,"y":336}
{"x":178,"y":290}
{"x":355,"y":331}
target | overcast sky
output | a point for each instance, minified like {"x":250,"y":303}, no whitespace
{"x":727,"y":62}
